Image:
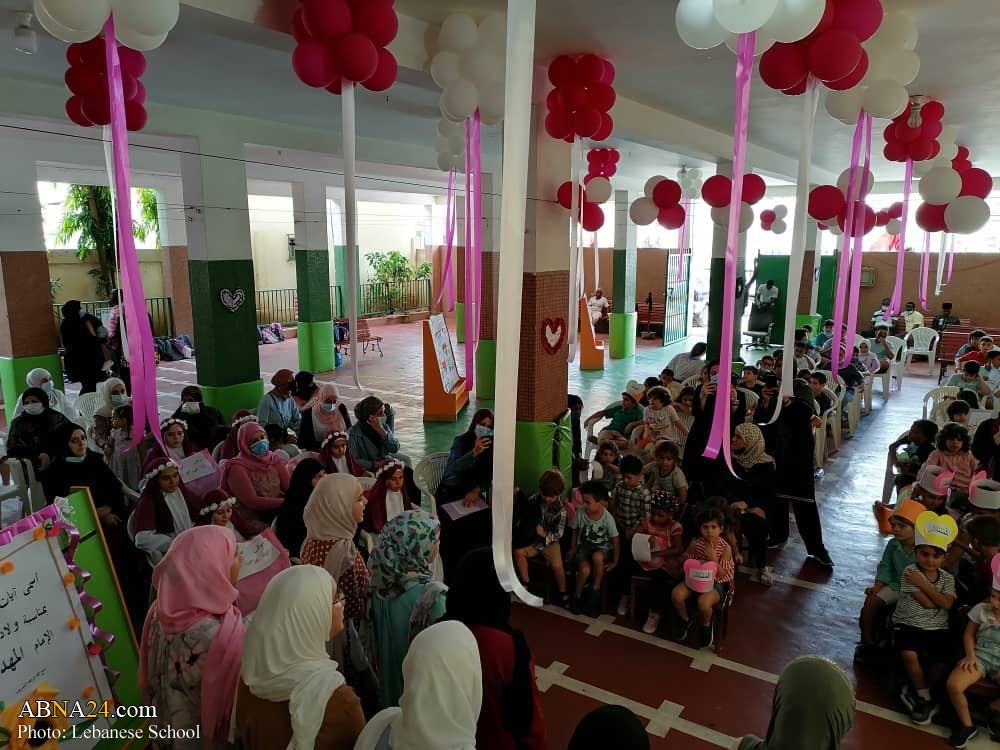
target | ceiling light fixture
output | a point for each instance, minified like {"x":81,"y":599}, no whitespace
{"x":25,"y":37}
{"x":916,"y":102}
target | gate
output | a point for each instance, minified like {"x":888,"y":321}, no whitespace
{"x":675,"y":315}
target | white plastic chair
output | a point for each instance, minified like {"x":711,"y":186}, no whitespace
{"x":86,"y":406}
{"x":427,"y":476}
{"x":591,"y":442}
{"x":18,"y":488}
{"x":936,"y":396}
{"x":922,"y":342}
{"x":897,"y":367}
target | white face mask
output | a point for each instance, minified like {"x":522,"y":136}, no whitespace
{"x":48,"y":386}
{"x":191,"y":407}
{"x":33,"y":409}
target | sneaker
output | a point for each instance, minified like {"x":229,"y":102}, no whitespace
{"x":907,"y":697}
{"x":564,"y":601}
{"x":622,"y":606}
{"x":595,"y":601}
{"x":574,"y":606}
{"x":705,"y":638}
{"x":765,"y":577}
{"x":681,"y":630}
{"x":818,"y":474}
{"x":923,"y":711}
{"x":960,"y":736}
{"x":651,"y":624}
{"x":822,"y":558}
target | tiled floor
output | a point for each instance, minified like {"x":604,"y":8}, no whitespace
{"x":696,"y":699}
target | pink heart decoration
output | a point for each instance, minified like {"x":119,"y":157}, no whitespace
{"x":699,"y":576}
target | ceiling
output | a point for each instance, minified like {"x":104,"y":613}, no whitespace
{"x":212,"y":62}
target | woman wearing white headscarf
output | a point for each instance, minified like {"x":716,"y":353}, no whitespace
{"x":291,"y":694}
{"x":58,"y":400}
{"x":441,"y":699}
{"x":113,"y":394}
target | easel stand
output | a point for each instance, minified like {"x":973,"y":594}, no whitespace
{"x":440,"y":405}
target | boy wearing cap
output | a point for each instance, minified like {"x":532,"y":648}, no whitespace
{"x":898,"y":555}
{"x":920,"y":622}
{"x":621,"y":416}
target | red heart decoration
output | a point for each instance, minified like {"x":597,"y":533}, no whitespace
{"x":553,"y":334}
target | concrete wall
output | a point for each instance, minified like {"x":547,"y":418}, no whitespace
{"x":650,"y":276}
{"x":77,"y":283}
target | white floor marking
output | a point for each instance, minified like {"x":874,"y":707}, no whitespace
{"x":781,"y":578}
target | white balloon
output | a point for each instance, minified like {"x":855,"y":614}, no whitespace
{"x":58,"y":30}
{"x":835,"y":229}
{"x":885,"y":99}
{"x":740,"y":16}
{"x":948,"y":134}
{"x":444,"y":68}
{"x":940,"y":186}
{"x":880,"y":64}
{"x":460,"y":99}
{"x":844,"y":180}
{"x":905,"y":67}
{"x":948,"y":152}
{"x":448,"y":128}
{"x":444,"y":162}
{"x":458,"y":33}
{"x":493,"y":32}
{"x":794,"y":20}
{"x":482,"y":66}
{"x":642,"y":211}
{"x":651,"y":183}
{"x":442,"y":145}
{"x":762,"y":42}
{"x":896,"y":32}
{"x":920,"y":168}
{"x":456,"y":144}
{"x":720,"y":215}
{"x":146,"y":17}
{"x":598,"y":190}
{"x":695,"y":174}
{"x":458,"y":161}
{"x":779,"y":227}
{"x":967,"y":214}
{"x":137,"y":41}
{"x":845,"y":105}
{"x":894,"y":226}
{"x":696,"y":25}
{"x":77,"y":15}
{"x":491,"y":104}
{"x":781,"y":211}
{"x":692,"y":190}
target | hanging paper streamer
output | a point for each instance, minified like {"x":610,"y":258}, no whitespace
{"x":477,"y":231}
{"x":470,"y":344}
{"x":142,"y":361}
{"x":718,"y":439}
{"x":942,"y":250}
{"x":951,"y":260}
{"x":575,"y":252}
{"x":597,"y":264}
{"x":925,"y":262}
{"x":348,"y":131}
{"x":896,"y":303}
{"x":682,"y":237}
{"x":854,"y":289}
{"x":446,"y":291}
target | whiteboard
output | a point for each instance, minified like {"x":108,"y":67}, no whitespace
{"x":44,"y":634}
{"x":444,"y":352}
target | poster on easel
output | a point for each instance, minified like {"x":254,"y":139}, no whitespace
{"x":445,"y":391}
{"x":444,"y":351}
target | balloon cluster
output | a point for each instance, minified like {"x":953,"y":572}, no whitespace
{"x":690,"y":181}
{"x":139,"y":24}
{"x":702,"y":24}
{"x":450,"y":145}
{"x":773,"y":219}
{"x":918,"y":141}
{"x":661,"y":202}
{"x":341,"y":41}
{"x":890,"y":218}
{"x":582,"y":97}
{"x":954,"y":197}
{"x":469,"y":67}
{"x":602,"y":162}
{"x":589,"y":200}
{"x":717,"y":192}
{"x":87,"y":80}
{"x":829,"y":202}
{"x":889,"y":62}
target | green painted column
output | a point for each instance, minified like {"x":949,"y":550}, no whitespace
{"x":314,"y":334}
{"x":540,"y":446}
{"x":486,"y":349}
{"x":717,"y":283}
{"x":623,"y":318}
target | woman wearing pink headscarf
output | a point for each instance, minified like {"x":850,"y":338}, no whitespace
{"x":257,"y":477}
{"x":229,"y":448}
{"x":324,"y":414}
{"x":192,"y":640}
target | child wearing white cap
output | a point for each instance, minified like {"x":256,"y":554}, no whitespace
{"x":621,"y":416}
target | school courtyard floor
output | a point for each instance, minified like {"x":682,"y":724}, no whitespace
{"x":690,"y":699}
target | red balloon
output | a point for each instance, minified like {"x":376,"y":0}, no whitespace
{"x":904,"y":116}
{"x":671,"y":217}
{"x":377,"y":22}
{"x":130,"y":86}
{"x":586,"y":122}
{"x":894,"y":151}
{"x":921,"y":149}
{"x":608,"y":75}
{"x":854,"y":78}
{"x":931,"y":128}
{"x":889,"y":134}
{"x":860,"y":17}
{"x":825,"y":202}
{"x":572,"y":96}
{"x":564,"y":194}
{"x":766,"y":225}
{"x":135,"y":116}
{"x":614,"y":155}
{"x":562,"y":71}
{"x":97,"y":109}
{"x":976,"y":182}
{"x":935,"y":149}
{"x":796,"y":90}
{"x":784,"y":66}
{"x":591,"y":217}
{"x":552,"y":100}
{"x":826,"y":22}
{"x":667,"y":193}
{"x":600,"y":97}
{"x":299,"y":30}
{"x":76,"y":55}
{"x":132,"y":61}
{"x":603,"y":132}
{"x":963,"y":153}
{"x":869,"y":218}
{"x":74,"y":111}
{"x":930,"y":217}
{"x":558,"y":123}
{"x":961,"y":165}
{"x":326,"y":19}
{"x":610,"y":170}
{"x":753,"y":188}
{"x":821,"y":225}
{"x":589,"y":69}
{"x":768,"y":216}
{"x":314,"y":64}
{"x":594,"y":156}
{"x":881,"y":218}
{"x":895,"y":211}
{"x":85,"y":81}
{"x":717,"y":190}
{"x":337,"y":87}
{"x":140,"y":93}
{"x":905,"y":133}
{"x":834,"y":55}
{"x":386,"y":72}
{"x":358,"y":57}
{"x":932,"y":110}
{"x":91,"y":54}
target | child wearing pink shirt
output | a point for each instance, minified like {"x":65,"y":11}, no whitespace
{"x":664,"y":563}
{"x":953,"y":454}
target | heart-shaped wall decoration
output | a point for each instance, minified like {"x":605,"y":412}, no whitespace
{"x":553,"y":334}
{"x":699,"y":576}
{"x":232,"y":299}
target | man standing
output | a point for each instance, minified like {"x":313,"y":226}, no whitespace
{"x":912,"y":317}
{"x":598,"y":306}
{"x":767,"y":295}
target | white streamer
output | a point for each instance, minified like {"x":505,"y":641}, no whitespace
{"x":942,"y":255}
{"x":575,"y":251}
{"x":351,"y":218}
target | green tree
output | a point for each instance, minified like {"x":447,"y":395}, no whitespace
{"x":88,"y":213}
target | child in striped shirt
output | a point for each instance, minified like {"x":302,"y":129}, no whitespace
{"x":710,"y":547}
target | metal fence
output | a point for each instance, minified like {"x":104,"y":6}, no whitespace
{"x":160,"y":309}
{"x":378,"y":299}
{"x":277,"y":306}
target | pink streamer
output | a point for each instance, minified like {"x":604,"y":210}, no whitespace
{"x":477,"y":219}
{"x":449,"y":241}
{"x":854,"y":290}
{"x":951,"y":260}
{"x":896,"y":304}
{"x":473,"y":235}
{"x":718,"y":439}
{"x":844,"y":262}
{"x":925,"y":266}
{"x":141,"y":359}
{"x":682,"y":238}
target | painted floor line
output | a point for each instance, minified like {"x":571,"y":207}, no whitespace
{"x":782,"y":578}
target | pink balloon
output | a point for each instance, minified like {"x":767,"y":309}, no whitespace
{"x":326,"y":19}
{"x":314,"y":64}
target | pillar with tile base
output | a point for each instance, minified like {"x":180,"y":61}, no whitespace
{"x":314,"y":333}
{"x":623,"y":318}
{"x":28,"y":334}
{"x":220,"y":264}
{"x":486,"y":350}
{"x":543,"y":435}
